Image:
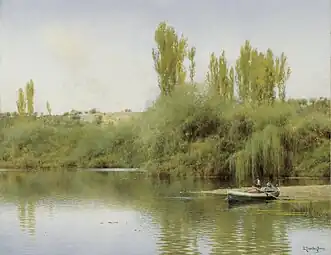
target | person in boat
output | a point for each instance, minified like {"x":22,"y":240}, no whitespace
{"x":257,"y":183}
{"x":270,"y":187}
{"x":256,"y":186}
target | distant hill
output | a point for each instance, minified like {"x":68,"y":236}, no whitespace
{"x":110,"y":117}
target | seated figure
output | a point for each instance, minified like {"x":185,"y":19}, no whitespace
{"x":257,"y":183}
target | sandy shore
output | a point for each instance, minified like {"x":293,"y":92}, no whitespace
{"x":312,"y":192}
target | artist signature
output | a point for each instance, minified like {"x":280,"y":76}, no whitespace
{"x":313,"y":249}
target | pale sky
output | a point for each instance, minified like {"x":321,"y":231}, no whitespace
{"x":84,"y":54}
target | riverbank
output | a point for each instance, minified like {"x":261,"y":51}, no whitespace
{"x":179,"y":144}
{"x":191,"y":129}
{"x":310,"y":193}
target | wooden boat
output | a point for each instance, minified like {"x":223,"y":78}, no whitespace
{"x":262,"y":195}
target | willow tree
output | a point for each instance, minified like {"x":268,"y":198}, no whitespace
{"x":29,"y":94}
{"x":263,"y":154}
{"x":21,"y":103}
{"x":168,"y":57}
{"x":220,"y":77}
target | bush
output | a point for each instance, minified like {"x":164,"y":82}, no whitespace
{"x":185,"y":134}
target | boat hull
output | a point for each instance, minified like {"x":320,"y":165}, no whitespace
{"x":234,"y":197}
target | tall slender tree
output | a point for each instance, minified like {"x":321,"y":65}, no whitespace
{"x":48,"y":107}
{"x":29,"y":94}
{"x":21,"y":103}
{"x":168,"y":57}
{"x":283,"y":73}
{"x":191,"y":57}
{"x":260,"y":75}
{"x":220,"y":77}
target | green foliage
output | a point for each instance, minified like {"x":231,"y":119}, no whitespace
{"x":244,"y":140}
{"x":186,"y":131}
{"x":220,"y":78}
{"x":260,"y":75}
{"x":52,"y":142}
{"x":29,"y":94}
{"x":21,"y":105}
{"x":169,"y":56}
{"x":25,"y":102}
{"x":187,"y":134}
{"x":191,"y":57}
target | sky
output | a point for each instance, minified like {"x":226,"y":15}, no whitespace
{"x":85,"y":54}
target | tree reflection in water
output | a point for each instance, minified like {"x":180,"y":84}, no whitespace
{"x":186,"y":224}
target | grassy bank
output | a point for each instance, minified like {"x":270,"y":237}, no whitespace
{"x":191,"y":129}
{"x":187,"y":134}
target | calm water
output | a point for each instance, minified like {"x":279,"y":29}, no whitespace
{"x":123,"y":213}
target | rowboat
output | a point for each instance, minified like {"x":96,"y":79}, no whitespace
{"x":262,"y":195}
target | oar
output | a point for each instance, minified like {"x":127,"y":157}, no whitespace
{"x":268,"y":194}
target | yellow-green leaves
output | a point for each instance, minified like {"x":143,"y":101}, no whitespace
{"x":191,"y":57}
{"x":169,"y":56}
{"x":20,"y":103}
{"x":283,"y":73}
{"x":259,"y":75}
{"x":29,"y":93}
{"x":25,"y":102}
{"x":220,"y":78}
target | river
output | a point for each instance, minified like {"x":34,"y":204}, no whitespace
{"x":124,"y":213}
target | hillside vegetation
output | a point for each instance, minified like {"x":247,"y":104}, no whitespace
{"x":238,"y":124}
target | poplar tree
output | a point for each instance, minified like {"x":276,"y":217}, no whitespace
{"x":168,"y":57}
{"x":220,"y":77}
{"x":21,"y":103}
{"x":48,"y":107}
{"x":29,"y":94}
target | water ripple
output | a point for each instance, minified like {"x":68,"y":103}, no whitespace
{"x":68,"y":224}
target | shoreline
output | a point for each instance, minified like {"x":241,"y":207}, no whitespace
{"x":115,"y":169}
{"x":138,"y":169}
{"x":298,"y":192}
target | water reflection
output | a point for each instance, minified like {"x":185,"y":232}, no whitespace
{"x":121,"y":213}
{"x":27,"y":215}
